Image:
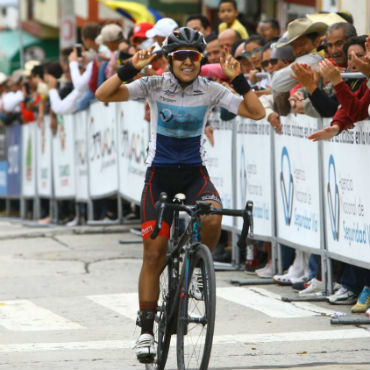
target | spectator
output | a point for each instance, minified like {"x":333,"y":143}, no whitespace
{"x":199,"y":23}
{"x":228,"y":14}
{"x":260,"y":28}
{"x":110,"y":35}
{"x":271,"y":30}
{"x":213,"y":50}
{"x":321,"y":100}
{"x":239,"y":55}
{"x":139,"y":39}
{"x":304,"y":37}
{"x":161,"y":30}
{"x":11,"y":100}
{"x":227,"y":38}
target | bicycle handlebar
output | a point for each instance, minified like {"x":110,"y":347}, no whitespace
{"x":203,"y":207}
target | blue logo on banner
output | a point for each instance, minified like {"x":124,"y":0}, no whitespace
{"x":243,"y":178}
{"x":333,"y":209}
{"x":3,"y":177}
{"x":14,"y":159}
{"x":287,"y":197}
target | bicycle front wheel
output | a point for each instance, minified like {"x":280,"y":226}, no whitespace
{"x":197,"y":309}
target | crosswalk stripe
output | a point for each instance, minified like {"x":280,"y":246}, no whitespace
{"x":217,"y":340}
{"x":125,"y":304}
{"x":24,"y":315}
{"x":269,"y":303}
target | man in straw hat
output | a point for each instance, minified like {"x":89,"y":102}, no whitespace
{"x":304,"y":36}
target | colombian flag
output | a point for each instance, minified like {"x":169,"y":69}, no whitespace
{"x":135,"y":12}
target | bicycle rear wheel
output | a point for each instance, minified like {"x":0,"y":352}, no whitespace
{"x":162,"y":326}
{"x":197,"y":309}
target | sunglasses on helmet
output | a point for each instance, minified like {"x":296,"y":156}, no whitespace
{"x":181,"y":55}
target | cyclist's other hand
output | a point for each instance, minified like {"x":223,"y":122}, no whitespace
{"x":229,"y":65}
{"x":325,"y":134}
{"x":209,"y":133}
{"x":142,"y":58}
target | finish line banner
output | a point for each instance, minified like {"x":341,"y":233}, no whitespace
{"x":297,"y":182}
{"x":346,"y":193}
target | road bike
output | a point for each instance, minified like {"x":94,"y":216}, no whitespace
{"x":187,"y":299}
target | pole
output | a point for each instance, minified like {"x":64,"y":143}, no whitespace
{"x":21,"y":52}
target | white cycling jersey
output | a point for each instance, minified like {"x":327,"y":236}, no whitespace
{"x":178,"y":116}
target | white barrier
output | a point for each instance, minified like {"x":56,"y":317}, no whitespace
{"x":107,"y":145}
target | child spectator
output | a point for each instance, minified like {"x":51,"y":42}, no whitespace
{"x":228,"y":14}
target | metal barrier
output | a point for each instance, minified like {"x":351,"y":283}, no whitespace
{"x":310,"y":196}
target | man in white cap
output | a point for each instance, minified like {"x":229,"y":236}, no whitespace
{"x":110,"y":35}
{"x":304,"y":36}
{"x":161,"y":30}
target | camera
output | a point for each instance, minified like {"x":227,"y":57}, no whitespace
{"x":79,"y":50}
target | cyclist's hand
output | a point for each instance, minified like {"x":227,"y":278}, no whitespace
{"x":325,"y":134}
{"x":142,"y":58}
{"x":229,"y":65}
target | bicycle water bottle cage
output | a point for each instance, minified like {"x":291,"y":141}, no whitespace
{"x":203,"y":205}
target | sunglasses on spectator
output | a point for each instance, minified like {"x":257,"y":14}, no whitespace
{"x":181,"y":55}
{"x":248,"y":54}
{"x":265,"y":63}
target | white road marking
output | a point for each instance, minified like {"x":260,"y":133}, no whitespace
{"x":23,"y":315}
{"x":217,"y":340}
{"x":125,"y":304}
{"x":270,"y":304}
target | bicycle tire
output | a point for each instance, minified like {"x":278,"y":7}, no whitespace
{"x":162,"y":326}
{"x":196,"y":317}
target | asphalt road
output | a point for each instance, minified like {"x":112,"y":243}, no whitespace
{"x":68,"y":301}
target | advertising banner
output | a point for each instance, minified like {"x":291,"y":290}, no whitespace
{"x":44,"y":167}
{"x":253,"y":172}
{"x":219,"y":161}
{"x":3,"y":178}
{"x":29,"y":159}
{"x":133,"y":141}
{"x":103,"y":149}
{"x":346,"y":193}
{"x":14,"y":159}
{"x":63,"y":158}
{"x":81,"y":170}
{"x":297,"y":182}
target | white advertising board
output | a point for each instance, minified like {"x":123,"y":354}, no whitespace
{"x":29,"y":159}
{"x":63,"y":158}
{"x":44,"y":163}
{"x":102,"y":148}
{"x":297,"y":182}
{"x":81,"y":170}
{"x":253,"y":173}
{"x":346,"y":193}
{"x":133,"y":138}
{"x":219,"y":162}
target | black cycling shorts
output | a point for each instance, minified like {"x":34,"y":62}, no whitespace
{"x":194,"y":182}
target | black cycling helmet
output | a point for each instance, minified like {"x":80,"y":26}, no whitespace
{"x":181,"y":37}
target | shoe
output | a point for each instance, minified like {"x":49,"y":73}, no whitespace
{"x":342,"y":296}
{"x":266,"y":272}
{"x":301,"y":279}
{"x":74,"y":222}
{"x":315,"y":286}
{"x":367,"y":313}
{"x":196,"y":285}
{"x":144,"y":347}
{"x":282,"y":279}
{"x":363,"y":301}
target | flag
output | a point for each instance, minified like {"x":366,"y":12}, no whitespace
{"x":135,"y":12}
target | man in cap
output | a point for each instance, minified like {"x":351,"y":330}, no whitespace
{"x":139,"y":38}
{"x":161,"y":30}
{"x":304,"y":36}
{"x":110,"y":35}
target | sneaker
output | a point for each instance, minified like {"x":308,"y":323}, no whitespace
{"x":363,"y":301}
{"x":266,"y":272}
{"x":367,"y":313}
{"x":342,"y":296}
{"x":284,"y":279}
{"x":313,"y":288}
{"x":196,"y":284}
{"x":144,"y":347}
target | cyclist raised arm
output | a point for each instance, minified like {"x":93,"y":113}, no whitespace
{"x":180,"y":101}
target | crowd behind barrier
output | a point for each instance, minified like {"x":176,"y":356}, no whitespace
{"x":311,"y":196}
